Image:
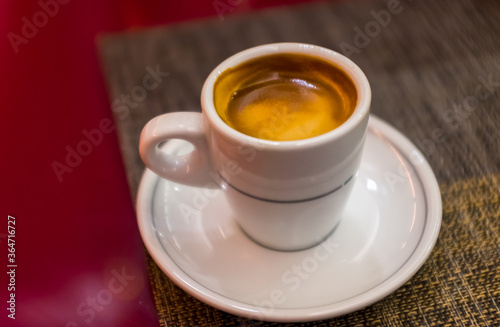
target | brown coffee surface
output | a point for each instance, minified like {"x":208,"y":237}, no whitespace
{"x":284,"y":97}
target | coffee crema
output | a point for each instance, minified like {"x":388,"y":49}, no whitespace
{"x":284,"y":97}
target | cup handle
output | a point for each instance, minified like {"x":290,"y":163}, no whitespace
{"x":190,"y":169}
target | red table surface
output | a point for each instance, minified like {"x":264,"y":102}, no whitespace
{"x":79,"y":259}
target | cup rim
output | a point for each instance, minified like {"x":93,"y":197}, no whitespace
{"x":353,"y":71}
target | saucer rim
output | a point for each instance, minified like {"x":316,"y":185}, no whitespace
{"x":407,"y":270}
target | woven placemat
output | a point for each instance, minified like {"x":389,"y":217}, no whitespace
{"x":434,"y":68}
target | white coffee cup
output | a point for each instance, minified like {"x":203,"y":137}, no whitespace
{"x":285,"y":195}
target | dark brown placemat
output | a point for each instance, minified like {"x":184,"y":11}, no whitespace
{"x":434,"y":68}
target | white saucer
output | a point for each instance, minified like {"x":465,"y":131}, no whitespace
{"x":390,"y":227}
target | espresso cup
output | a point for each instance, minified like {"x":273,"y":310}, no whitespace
{"x":285,"y":194}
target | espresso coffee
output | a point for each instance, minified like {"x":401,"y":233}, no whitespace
{"x":284,"y":97}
